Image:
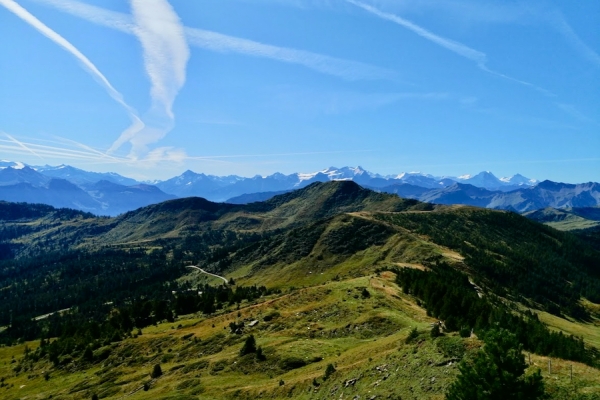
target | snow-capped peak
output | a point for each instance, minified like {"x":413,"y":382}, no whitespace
{"x":11,"y":164}
{"x":519,"y":179}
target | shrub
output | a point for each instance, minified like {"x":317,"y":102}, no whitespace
{"x":328,"y":371}
{"x":249,"y":346}
{"x":259,"y":354}
{"x":412,"y":335}
{"x":465,"y":332}
{"x":156,"y":371}
{"x":291,"y":363}
{"x":435,"y":331}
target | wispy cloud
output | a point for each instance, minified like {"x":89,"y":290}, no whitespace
{"x":462,"y":50}
{"x":575,"y":113}
{"x":214,"y":41}
{"x":474,"y":55}
{"x":97,"y":15}
{"x":166,"y":53}
{"x":307,"y":102}
{"x":346,"y":69}
{"x":65,"y":149}
{"x":136,"y":123}
{"x":561,"y":25}
{"x":21,"y":145}
{"x":165,"y":50}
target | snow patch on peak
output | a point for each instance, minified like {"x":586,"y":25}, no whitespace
{"x":11,"y":164}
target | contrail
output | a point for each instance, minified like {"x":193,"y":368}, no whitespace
{"x":456,"y":47}
{"x":560,"y":24}
{"x":21,"y":145}
{"x":86,"y":147}
{"x":477,"y":56}
{"x":218,"y":42}
{"x":346,"y":69}
{"x":97,"y":15}
{"x":12,"y":6}
{"x":166,"y":53}
{"x":160,"y":32}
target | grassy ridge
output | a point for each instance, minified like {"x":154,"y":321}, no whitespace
{"x":322,"y":247}
{"x":301,"y":332}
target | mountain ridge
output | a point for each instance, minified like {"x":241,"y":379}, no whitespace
{"x":517,"y":193}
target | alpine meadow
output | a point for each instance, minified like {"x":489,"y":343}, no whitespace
{"x":332,"y":290}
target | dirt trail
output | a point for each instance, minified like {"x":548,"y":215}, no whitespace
{"x":208,"y":273}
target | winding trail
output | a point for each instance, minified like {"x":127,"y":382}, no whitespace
{"x":208,"y":273}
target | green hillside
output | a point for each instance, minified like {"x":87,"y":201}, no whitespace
{"x":569,"y":219}
{"x":331,"y":278}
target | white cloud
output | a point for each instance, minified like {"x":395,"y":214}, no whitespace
{"x":165,"y":51}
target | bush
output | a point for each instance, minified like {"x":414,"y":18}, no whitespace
{"x":156,"y":371}
{"x":451,"y":346}
{"x":435,"y":330}
{"x":249,"y":346}
{"x":288,"y":364}
{"x":88,"y":354}
{"x":465,"y":332}
{"x":412,"y":335}
{"x":328,"y":371}
{"x":259,"y":354}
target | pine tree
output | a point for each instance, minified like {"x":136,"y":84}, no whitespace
{"x":249,"y":346}
{"x":496,"y":372}
{"x":156,"y":371}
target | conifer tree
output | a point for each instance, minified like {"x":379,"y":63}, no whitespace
{"x":249,"y":346}
{"x":497,"y":372}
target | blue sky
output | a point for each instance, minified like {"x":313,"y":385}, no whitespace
{"x":150,"y":88}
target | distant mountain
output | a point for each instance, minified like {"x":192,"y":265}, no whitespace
{"x":254,"y":197}
{"x":81,"y":177}
{"x":120,"y":198}
{"x":545,"y":194}
{"x":234,"y":187}
{"x":57,"y":193}
{"x":489,"y":181}
{"x":516,"y":193}
{"x":13,"y":175}
{"x":25,"y":184}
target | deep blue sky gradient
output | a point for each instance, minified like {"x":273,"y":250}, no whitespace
{"x":393,"y":101}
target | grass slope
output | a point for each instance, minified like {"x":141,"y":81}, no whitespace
{"x":300,"y":332}
{"x":567,"y":219}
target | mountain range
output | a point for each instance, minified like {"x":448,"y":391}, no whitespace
{"x":112,"y":194}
